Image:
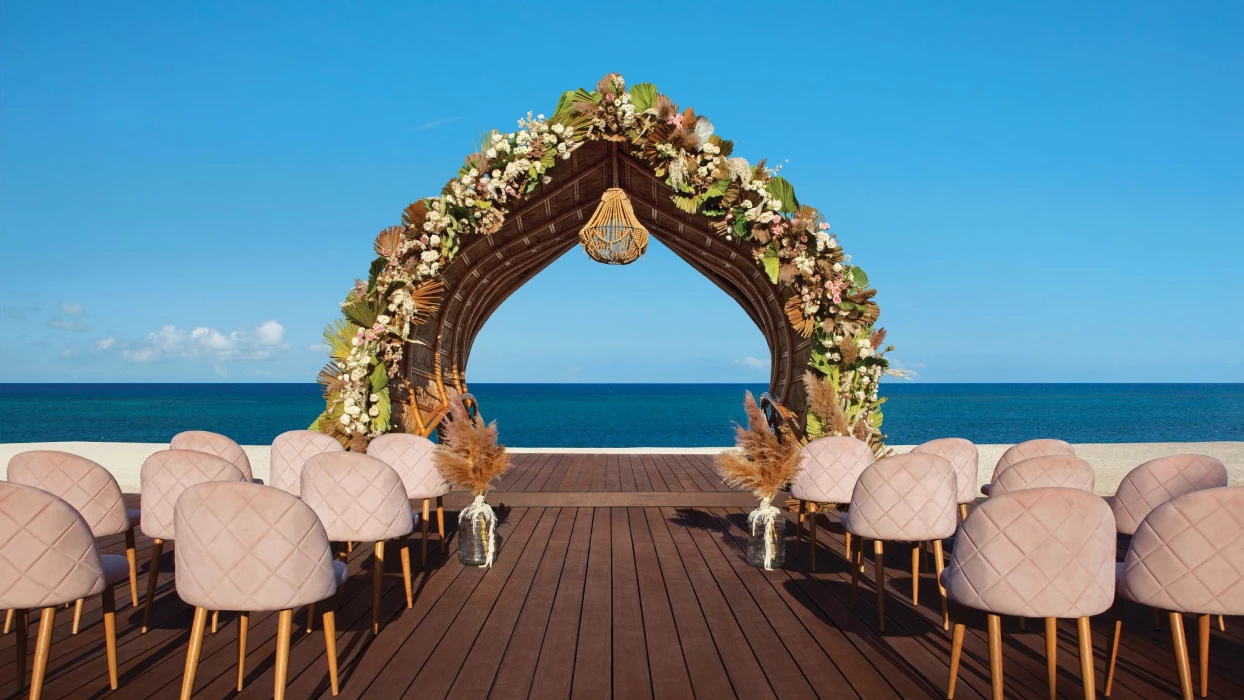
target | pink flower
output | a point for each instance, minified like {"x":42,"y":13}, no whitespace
{"x":371,"y":335}
{"x":824,"y":226}
{"x":377,"y":327}
{"x":675,"y":120}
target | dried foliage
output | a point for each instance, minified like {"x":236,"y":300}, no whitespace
{"x":469,"y":456}
{"x":761,"y":463}
{"x":823,"y":401}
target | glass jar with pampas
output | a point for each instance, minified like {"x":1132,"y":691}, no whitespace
{"x":763,"y":463}
{"x":470,"y":458}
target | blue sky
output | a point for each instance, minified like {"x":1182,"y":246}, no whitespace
{"x":1040,"y":193}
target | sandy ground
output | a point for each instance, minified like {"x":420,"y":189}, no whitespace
{"x":1111,"y":461}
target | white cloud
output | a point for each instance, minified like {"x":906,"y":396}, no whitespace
{"x":143,"y":355}
{"x":318,"y":347}
{"x":106,"y":343}
{"x":434,"y":123}
{"x":61,"y":324}
{"x":68,"y":352}
{"x":206,"y":343}
{"x":270,"y":333}
{"x":71,"y":309}
{"x":753,"y":362}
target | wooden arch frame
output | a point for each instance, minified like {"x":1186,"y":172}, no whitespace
{"x":489,"y":268}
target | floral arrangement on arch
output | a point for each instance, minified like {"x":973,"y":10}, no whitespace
{"x":832,"y":303}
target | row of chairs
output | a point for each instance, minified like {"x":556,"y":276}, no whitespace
{"x":242,"y":546}
{"x":1042,"y":545}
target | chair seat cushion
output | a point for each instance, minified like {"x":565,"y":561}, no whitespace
{"x":134,"y":515}
{"x":116,"y":568}
{"x":340,"y":572}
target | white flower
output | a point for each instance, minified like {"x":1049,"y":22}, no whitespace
{"x":428,"y":255}
{"x":349,"y":401}
{"x":373,"y":411}
{"x":434,"y":240}
{"x":558,"y":128}
{"x":491,"y":153}
{"x":373,"y":398}
{"x":383,"y":320}
{"x":837,"y":267}
{"x":345,"y":419}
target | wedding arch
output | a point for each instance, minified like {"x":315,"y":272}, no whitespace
{"x":608,"y":168}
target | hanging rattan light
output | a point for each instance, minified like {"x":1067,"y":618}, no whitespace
{"x":613,"y":235}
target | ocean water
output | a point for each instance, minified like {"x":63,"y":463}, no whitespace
{"x":638,"y":415}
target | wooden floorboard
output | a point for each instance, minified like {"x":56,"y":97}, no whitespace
{"x":620,"y":575}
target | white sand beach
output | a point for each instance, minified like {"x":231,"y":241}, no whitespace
{"x":1110,"y":461}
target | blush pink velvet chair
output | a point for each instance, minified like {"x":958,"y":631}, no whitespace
{"x":252,"y":548}
{"x":903,"y":498}
{"x":91,"y":490}
{"x":831,"y":466}
{"x":164,"y":476}
{"x":291,"y":450}
{"x":1045,"y":552}
{"x":1187,"y":556}
{"x":1159,"y":480}
{"x":48,"y":558}
{"x":1051,"y":471}
{"x":411,"y":457}
{"x":361,"y":499}
{"x":215,"y":444}
{"x":1027,"y":450}
{"x":966,"y":460}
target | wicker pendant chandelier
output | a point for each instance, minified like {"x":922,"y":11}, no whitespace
{"x":613,"y":235}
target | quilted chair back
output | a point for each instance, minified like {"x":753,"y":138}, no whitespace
{"x":965,"y":458}
{"x":216,"y":444}
{"x":47,"y":551}
{"x":1045,"y":472}
{"x":411,"y":457}
{"x":908,"y":498}
{"x":831,"y":466}
{"x":358,"y":498}
{"x":1157,"y":481}
{"x":166,"y":474}
{"x":243,"y":546}
{"x":1035,"y":553}
{"x":1188,"y":555}
{"x":291,"y":450}
{"x":1027,"y":450}
{"x":78,"y":481}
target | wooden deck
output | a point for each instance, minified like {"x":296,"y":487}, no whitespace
{"x":629,"y":599}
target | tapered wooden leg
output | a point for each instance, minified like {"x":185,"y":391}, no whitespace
{"x":956,"y":650}
{"x":853,"y":561}
{"x":43,"y":645}
{"x":77,"y":614}
{"x":157,"y":549}
{"x":23,"y":638}
{"x":848,"y":546}
{"x":1051,"y":655}
{"x":915,"y":572}
{"x":1203,"y":648}
{"x":803,"y":505}
{"x":197,"y":628}
{"x":879,"y":565}
{"x":939,"y":564}
{"x":377,"y":576}
{"x":215,"y":620}
{"x":8,"y":621}
{"x":812,"y":533}
{"x":995,"y":655}
{"x":1181,"y":654}
{"x":131,"y":556}
{"x":1088,"y":670}
{"x":1222,"y":624}
{"x":410,"y":602}
{"x":1116,"y":631}
{"x":330,"y":641}
{"x":349,"y":547}
{"x":244,"y":622}
{"x":283,"y":624}
{"x":440,"y":521}
{"x":310,"y":617}
{"x":110,"y":633}
{"x":423,"y":546}
{"x":963,"y":511}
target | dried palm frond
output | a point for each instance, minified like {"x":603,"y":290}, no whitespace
{"x":330,"y":379}
{"x":469,"y":456}
{"x":414,"y":216}
{"x":850,"y":351}
{"x":803,"y":325}
{"x":787,"y":273}
{"x":760,"y":462}
{"x":823,"y":401}
{"x":388,"y":240}
{"x":664,"y":108}
{"x":427,"y":298}
{"x":877,"y":338}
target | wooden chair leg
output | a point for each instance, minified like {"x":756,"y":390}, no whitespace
{"x":995,"y":656}
{"x":77,"y":614}
{"x":157,"y":549}
{"x":847,"y":546}
{"x":916,"y":547}
{"x":330,"y":641}
{"x":1051,"y":656}
{"x":440,"y":521}
{"x":110,"y":633}
{"x":410,"y":601}
{"x":349,"y":547}
{"x":215,"y":620}
{"x":1203,"y":634}
{"x":1116,"y":631}
{"x":377,"y":580}
{"x":8,"y":621}
{"x":939,"y":564}
{"x":310,"y":617}
{"x":956,"y":650}
{"x":131,"y":556}
{"x":812,"y":533}
{"x":284,"y":622}
{"x":23,"y":638}
{"x":1088,"y":670}
{"x":879,"y":565}
{"x":1181,"y":654}
{"x":197,"y":629}
{"x":244,"y":621}
{"x":798,"y":534}
{"x":1222,"y":624}
{"x":853,"y":560}
{"x":963,"y":511}
{"x":423,"y":545}
{"x":47,"y":621}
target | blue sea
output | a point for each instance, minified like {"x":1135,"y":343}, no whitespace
{"x":638,"y":415}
